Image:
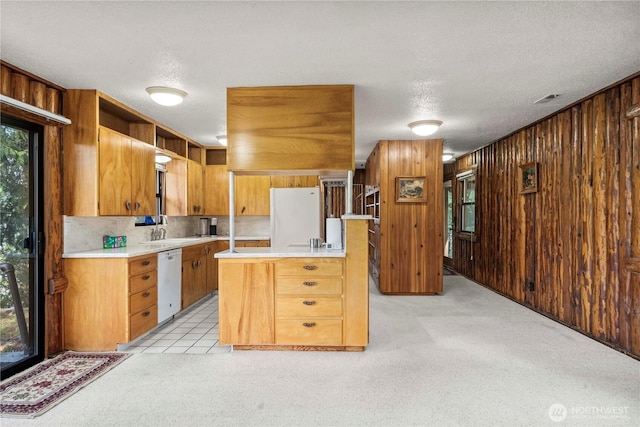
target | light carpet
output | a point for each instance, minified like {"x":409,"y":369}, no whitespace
{"x":468,"y":357}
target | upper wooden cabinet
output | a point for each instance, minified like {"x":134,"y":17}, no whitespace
{"x":290,"y":128}
{"x":127,"y":175}
{"x":252,"y":195}
{"x":108,"y":157}
{"x":216,"y":193}
{"x":195,"y":177}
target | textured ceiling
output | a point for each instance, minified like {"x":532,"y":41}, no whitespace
{"x":477,"y":66}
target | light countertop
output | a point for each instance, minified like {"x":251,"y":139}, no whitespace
{"x":145,"y":248}
{"x":282,"y":252}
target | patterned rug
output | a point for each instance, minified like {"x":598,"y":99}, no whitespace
{"x":37,"y":390}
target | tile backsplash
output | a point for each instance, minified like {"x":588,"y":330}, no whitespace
{"x":85,"y":233}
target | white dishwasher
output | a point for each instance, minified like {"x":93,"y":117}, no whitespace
{"x":169,"y":283}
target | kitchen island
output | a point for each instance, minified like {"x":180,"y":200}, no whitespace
{"x":297,"y":298}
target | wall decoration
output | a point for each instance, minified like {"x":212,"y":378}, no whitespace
{"x":410,"y":189}
{"x":529,"y":178}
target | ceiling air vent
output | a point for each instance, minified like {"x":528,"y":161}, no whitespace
{"x":547,"y":98}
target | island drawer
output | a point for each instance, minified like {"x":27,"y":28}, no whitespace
{"x":320,"y":285}
{"x":309,"y":331}
{"x":308,"y":306}
{"x":310,"y":267}
{"x":143,"y":321}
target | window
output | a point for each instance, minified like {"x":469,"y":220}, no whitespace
{"x":467,"y":181}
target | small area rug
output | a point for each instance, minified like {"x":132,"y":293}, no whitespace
{"x":37,"y":390}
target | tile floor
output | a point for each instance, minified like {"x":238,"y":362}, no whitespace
{"x":193,"y":331}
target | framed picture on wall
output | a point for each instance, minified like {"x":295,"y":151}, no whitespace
{"x":410,"y":189}
{"x":529,"y":178}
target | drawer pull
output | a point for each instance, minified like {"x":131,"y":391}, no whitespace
{"x":146,"y":262}
{"x":146,"y":314}
{"x":310,"y":267}
{"x":146,"y":277}
{"x":146,"y":294}
{"x":309,"y":283}
{"x":309,"y":325}
{"x":308,"y":302}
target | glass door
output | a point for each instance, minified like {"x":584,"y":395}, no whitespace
{"x":21,"y":247}
{"x":448,"y":224}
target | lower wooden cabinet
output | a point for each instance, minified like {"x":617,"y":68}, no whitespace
{"x":286,"y":301}
{"x":305,"y":303}
{"x":109,"y":301}
{"x":309,"y":301}
{"x":194,"y":274}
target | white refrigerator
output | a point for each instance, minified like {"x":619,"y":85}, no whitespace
{"x":295,"y":216}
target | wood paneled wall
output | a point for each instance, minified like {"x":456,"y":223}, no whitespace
{"x":577,"y":239}
{"x":410,"y":234}
{"x":25,"y":87}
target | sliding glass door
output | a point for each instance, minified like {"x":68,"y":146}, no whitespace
{"x":21,"y":246}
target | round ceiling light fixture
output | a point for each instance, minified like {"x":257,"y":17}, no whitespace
{"x":166,"y":96}
{"x":162,"y":158}
{"x":222,"y":139}
{"x":425,"y":127}
{"x":447,"y":156}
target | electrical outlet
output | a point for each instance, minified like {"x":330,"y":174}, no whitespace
{"x":531,"y":286}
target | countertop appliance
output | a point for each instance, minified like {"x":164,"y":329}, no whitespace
{"x":169,"y":283}
{"x":295,"y":216}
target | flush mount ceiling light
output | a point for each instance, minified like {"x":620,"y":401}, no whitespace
{"x":162,"y":158}
{"x":447,"y":156}
{"x":166,"y":96}
{"x":222,"y":139}
{"x":425,"y":127}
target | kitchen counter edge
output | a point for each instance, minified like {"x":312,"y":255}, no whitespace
{"x":137,"y":249}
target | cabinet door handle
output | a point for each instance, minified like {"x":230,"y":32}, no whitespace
{"x":146,"y":314}
{"x":310,"y":267}
{"x":194,"y":264}
{"x":137,"y":206}
{"x":309,"y":324}
{"x":146,"y":294}
{"x":146,"y":262}
{"x":308,"y":302}
{"x":127,"y":205}
{"x":146,"y":277}
{"x":309,"y":283}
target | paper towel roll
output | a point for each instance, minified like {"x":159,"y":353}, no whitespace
{"x":334,"y":233}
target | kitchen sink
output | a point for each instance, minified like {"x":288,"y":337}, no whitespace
{"x":173,"y":241}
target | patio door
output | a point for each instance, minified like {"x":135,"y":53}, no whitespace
{"x":21,"y":246}
{"x":448,"y":223}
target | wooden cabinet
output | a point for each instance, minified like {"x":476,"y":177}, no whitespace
{"x":291,"y":128}
{"x":246,"y":301}
{"x":109,"y":301}
{"x":216,"y":195}
{"x":309,"y":301}
{"x":143,"y":295}
{"x":127,"y":175}
{"x":252,"y":243}
{"x":212,"y":263}
{"x":294,"y":181}
{"x":287,"y":301}
{"x":405,"y":239}
{"x":194,"y":274}
{"x":195,"y":196}
{"x":297,"y":302}
{"x":252,"y":195}
{"x":108,"y":155}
